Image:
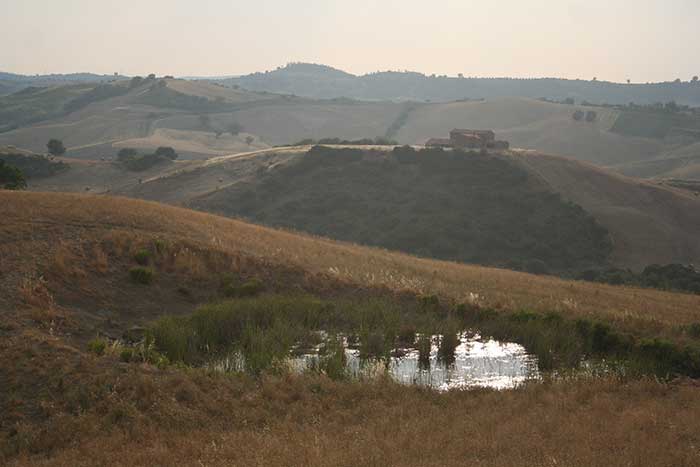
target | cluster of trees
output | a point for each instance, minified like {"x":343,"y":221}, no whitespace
{"x":56,"y":147}
{"x":676,"y":277}
{"x":33,"y":165}
{"x":11,"y":178}
{"x":234,"y":128}
{"x":589,"y":116}
{"x":132,"y":160}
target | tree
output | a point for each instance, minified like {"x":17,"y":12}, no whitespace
{"x":205,"y":121}
{"x":695,"y":79}
{"x":249,"y":140}
{"x":11,"y":178}
{"x":234,"y":128}
{"x":166,"y":151}
{"x":55,"y":147}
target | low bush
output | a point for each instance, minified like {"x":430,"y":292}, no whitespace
{"x":142,"y":257}
{"x":97,"y":346}
{"x":142,"y":275}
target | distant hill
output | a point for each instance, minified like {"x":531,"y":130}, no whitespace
{"x":320,"y":81}
{"x":448,"y":205}
{"x":201,"y":119}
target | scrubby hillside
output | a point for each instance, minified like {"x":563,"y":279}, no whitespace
{"x":450,"y":205}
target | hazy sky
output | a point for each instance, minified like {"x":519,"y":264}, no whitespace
{"x":644,"y":40}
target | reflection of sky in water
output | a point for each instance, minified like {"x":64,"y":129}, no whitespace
{"x":478,"y":363}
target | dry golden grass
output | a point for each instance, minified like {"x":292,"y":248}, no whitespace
{"x":115,"y":414}
{"x":65,"y":407}
{"x":82,"y":216}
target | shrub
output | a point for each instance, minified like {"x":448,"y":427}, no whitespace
{"x":141,"y":275}
{"x":166,"y":151}
{"x":11,"y":178}
{"x":407,"y":334}
{"x":694,"y":330}
{"x":142,"y":257}
{"x":126,"y":355}
{"x":97,"y":346}
{"x":373,"y":345}
{"x":249,"y":288}
{"x":126,"y":153}
{"x":56,"y":147}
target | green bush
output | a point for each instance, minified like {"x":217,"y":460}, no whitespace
{"x":142,"y":257}
{"x":97,"y":346}
{"x":250,"y":288}
{"x":126,"y":355}
{"x":694,"y":330}
{"x":11,"y":178}
{"x":141,"y":275}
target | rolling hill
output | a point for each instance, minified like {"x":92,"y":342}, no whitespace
{"x":319,"y":81}
{"x":200,"y":120}
{"x":636,"y":214}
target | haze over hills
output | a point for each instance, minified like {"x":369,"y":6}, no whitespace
{"x":319,"y":81}
{"x":306,"y":266}
{"x":194,"y":117}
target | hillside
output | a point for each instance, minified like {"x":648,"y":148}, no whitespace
{"x":319,"y":81}
{"x":648,"y":223}
{"x":78,"y":392}
{"x":76,"y":218}
{"x":635,"y":213}
{"x":200,"y":120}
{"x":457,"y":206}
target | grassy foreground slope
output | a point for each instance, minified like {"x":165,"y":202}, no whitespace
{"x":502,"y":289}
{"x":65,"y":279}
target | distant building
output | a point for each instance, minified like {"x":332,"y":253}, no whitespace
{"x":472,"y":139}
{"x":469,"y":139}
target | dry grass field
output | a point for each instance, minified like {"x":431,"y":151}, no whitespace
{"x":63,"y":280}
{"x":501,"y":289}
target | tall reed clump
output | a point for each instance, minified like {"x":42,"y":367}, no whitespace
{"x":558,"y":342}
{"x":449,"y":340}
{"x":332,"y":360}
{"x":424,"y":345}
{"x":261,"y":329}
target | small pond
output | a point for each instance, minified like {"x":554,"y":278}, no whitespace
{"x":477,"y":362}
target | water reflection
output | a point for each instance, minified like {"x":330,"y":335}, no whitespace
{"x":476,"y":363}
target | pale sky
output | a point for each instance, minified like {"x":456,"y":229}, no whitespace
{"x":643,"y":40}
